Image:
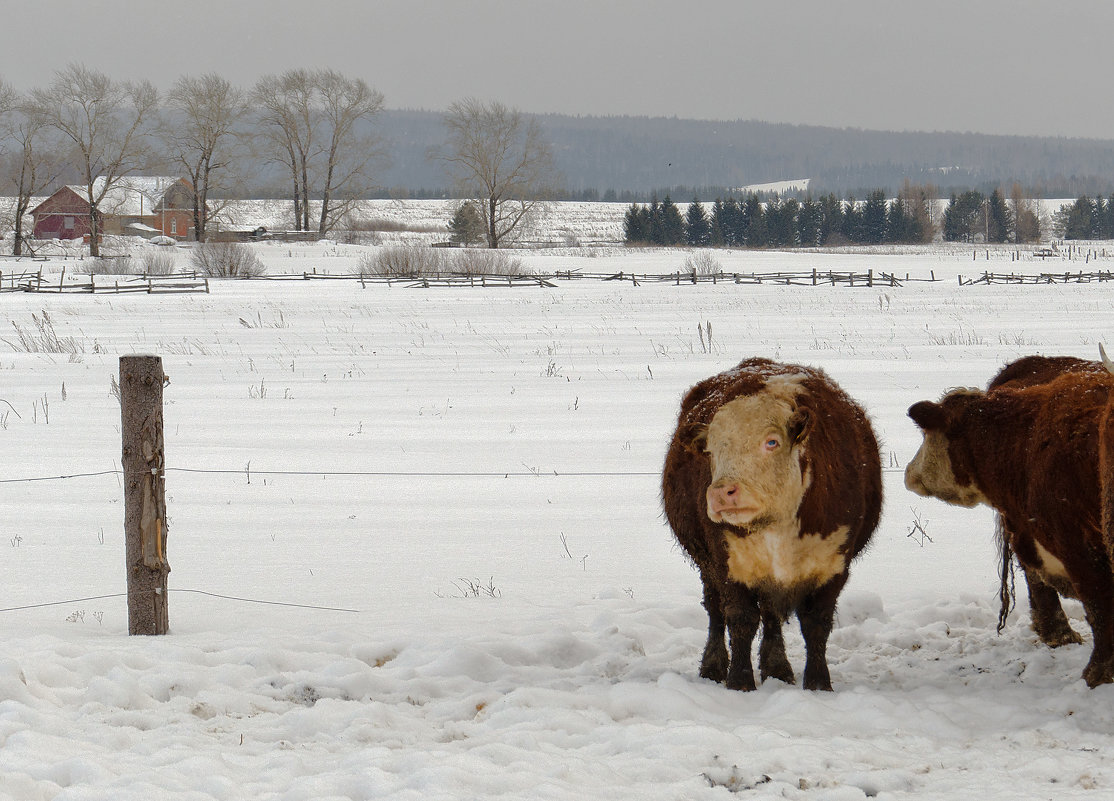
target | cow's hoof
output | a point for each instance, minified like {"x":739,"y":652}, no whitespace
{"x":714,"y":666}
{"x":818,"y":680}
{"x":1097,"y":673}
{"x":1060,"y":636}
{"x":782,"y":673}
{"x":743,"y":682}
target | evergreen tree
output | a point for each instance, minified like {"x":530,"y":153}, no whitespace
{"x":672,"y":223}
{"x":874,"y":218}
{"x":898,"y":222}
{"x":963,"y":218}
{"x":852,"y":228}
{"x":754,"y":223}
{"x":1098,"y":219}
{"x":698,"y":232}
{"x":781,"y":222}
{"x":717,"y":238}
{"x":657,"y":226}
{"x":467,"y":225}
{"x":1080,"y":218}
{"x":736,"y":222}
{"x":809,"y":220}
{"x":831,"y":222}
{"x":998,"y":223}
{"x":637,"y":225}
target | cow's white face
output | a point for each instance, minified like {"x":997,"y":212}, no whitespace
{"x":930,"y":473}
{"x":754,"y":444}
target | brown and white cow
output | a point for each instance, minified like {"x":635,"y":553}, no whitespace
{"x":1047,"y":615}
{"x":772,"y":485}
{"x":1032,"y":452}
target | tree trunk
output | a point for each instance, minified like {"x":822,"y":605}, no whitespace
{"x":492,"y":238}
{"x":17,"y":245}
{"x":94,"y":230}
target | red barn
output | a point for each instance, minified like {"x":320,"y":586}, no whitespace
{"x":134,"y":206}
{"x":63,"y":215}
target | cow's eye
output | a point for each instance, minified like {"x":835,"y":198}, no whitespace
{"x":771,"y":444}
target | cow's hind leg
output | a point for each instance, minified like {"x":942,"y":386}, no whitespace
{"x":772,"y":661}
{"x":1100,"y":668}
{"x":741,"y":612}
{"x":816,"y":615}
{"x":713,"y":665}
{"x":1049,"y":621}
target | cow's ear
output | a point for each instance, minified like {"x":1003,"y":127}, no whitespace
{"x":799,"y":426}
{"x":693,"y":437}
{"x":928,"y":415}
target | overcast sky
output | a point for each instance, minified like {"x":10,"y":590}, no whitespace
{"x":990,"y":66}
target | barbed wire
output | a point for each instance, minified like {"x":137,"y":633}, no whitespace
{"x":61,"y":478}
{"x":240,"y":599}
{"x":376,"y":473}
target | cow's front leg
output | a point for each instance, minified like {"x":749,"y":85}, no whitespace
{"x":741,"y":612}
{"x":816,"y":614}
{"x":713,"y":665}
{"x":772,"y":661}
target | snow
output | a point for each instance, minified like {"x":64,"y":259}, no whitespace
{"x":463,"y":482}
{"x":798,"y":185}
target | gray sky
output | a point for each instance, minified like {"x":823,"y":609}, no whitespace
{"x":990,"y":66}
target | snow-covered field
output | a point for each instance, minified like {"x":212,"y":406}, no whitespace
{"x":448,"y":499}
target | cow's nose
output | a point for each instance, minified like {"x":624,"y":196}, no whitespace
{"x":723,"y":495}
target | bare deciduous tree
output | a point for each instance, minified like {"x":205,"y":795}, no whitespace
{"x":1026,"y":215}
{"x":346,"y":104}
{"x":30,"y":164}
{"x":314,"y":123}
{"x":108,"y":124}
{"x":202,"y":134}
{"x":498,"y":157}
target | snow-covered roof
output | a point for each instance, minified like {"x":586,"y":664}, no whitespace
{"x":131,"y":196}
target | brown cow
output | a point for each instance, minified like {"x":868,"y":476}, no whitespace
{"x":772,"y":485}
{"x":1031,"y":452}
{"x":1048,"y":618}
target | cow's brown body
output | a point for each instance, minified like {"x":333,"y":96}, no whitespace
{"x":1049,"y":621}
{"x":772,"y":485}
{"x":1030,"y":448}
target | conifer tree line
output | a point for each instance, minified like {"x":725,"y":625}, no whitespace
{"x":907,"y":219}
{"x":1087,"y":219}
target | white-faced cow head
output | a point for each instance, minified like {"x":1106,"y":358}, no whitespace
{"x":754,"y":444}
{"x":931,"y":472}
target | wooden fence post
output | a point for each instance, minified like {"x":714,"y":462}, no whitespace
{"x":141,"y":384}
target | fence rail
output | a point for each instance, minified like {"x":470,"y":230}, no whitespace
{"x":869,"y":278}
{"x":1079,"y":277}
{"x":103,"y":284}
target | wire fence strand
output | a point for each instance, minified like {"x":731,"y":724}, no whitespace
{"x":239,"y":599}
{"x":376,"y":473}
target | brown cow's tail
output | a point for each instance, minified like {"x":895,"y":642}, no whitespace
{"x":1006,"y":590}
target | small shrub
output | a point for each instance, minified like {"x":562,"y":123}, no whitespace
{"x":477,"y":261}
{"x":112,"y":265}
{"x":226,"y":260}
{"x":403,"y":261}
{"x":702,"y":263}
{"x":159,"y":261}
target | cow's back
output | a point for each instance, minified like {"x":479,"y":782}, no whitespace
{"x":1032,"y":370}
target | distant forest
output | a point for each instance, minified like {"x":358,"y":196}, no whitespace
{"x":632,"y":159}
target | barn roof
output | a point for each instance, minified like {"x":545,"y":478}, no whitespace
{"x":131,"y":196}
